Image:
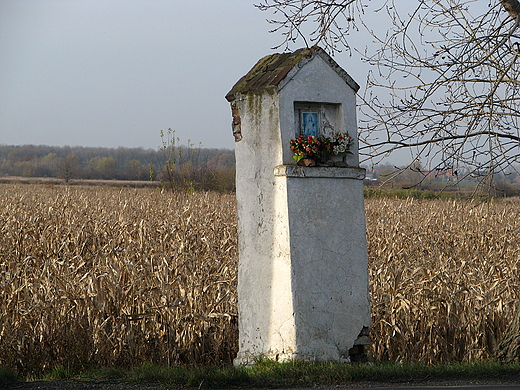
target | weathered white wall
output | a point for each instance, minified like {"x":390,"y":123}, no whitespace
{"x":303,"y":272}
{"x":264,"y":288}
{"x":329,"y":261}
{"x":327,"y":226}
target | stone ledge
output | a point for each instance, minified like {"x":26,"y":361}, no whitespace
{"x":297,"y":171}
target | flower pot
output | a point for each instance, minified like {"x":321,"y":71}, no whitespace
{"x":307,"y":162}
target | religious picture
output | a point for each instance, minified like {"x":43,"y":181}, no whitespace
{"x":310,"y":123}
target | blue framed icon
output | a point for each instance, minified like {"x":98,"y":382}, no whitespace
{"x":310,"y":123}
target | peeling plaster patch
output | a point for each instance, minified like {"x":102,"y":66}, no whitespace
{"x":237,"y":122}
{"x":357,"y":352}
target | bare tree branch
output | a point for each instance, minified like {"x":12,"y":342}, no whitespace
{"x":443,"y":83}
{"x":331,"y":21}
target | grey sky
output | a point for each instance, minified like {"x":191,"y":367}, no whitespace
{"x":115,"y":72}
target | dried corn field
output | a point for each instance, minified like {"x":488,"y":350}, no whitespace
{"x":115,"y":276}
{"x":444,"y":277}
{"x":109,"y":276}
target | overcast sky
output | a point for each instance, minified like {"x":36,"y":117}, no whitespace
{"x":115,"y":72}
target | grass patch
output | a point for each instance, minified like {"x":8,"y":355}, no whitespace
{"x":60,"y":373}
{"x":298,"y":373}
{"x":7,"y":377}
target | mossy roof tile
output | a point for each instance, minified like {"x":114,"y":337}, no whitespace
{"x":272,"y":69}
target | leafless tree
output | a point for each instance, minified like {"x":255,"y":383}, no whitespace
{"x":443,"y":84}
{"x":69,"y":167}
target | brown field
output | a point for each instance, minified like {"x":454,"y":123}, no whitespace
{"x":444,"y":277}
{"x":119,"y":276}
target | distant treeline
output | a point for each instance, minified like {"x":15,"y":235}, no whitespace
{"x":192,"y":168}
{"x":460,"y":180}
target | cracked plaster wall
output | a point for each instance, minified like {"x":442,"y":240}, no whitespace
{"x":329,"y":265}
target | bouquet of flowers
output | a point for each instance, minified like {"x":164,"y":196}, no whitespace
{"x":342,"y":143}
{"x":318,"y":147}
{"x":310,"y":147}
